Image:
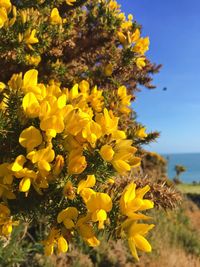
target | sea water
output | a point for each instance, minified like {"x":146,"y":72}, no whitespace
{"x":192,"y":163}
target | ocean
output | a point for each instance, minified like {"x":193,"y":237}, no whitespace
{"x":192,"y":163}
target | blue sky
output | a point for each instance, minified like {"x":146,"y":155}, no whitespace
{"x":174,"y":30}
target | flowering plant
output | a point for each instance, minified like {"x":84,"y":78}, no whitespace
{"x":69,"y":136}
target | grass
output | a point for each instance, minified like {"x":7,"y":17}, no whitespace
{"x":189,"y":188}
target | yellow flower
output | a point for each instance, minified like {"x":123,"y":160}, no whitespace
{"x":130,"y":17}
{"x":76,"y":162}
{"x":76,"y":120}
{"x":124,"y":159}
{"x":16,"y":82}
{"x":6,"y":222}
{"x":89,"y":182}
{"x":33,"y":60}
{"x":70,"y":2}
{"x":28,"y":177}
{"x":107,"y":121}
{"x":141,"y":46}
{"x":125,"y":100}
{"x":136,"y":239}
{"x":6,"y":4}
{"x":122,"y":38}
{"x":126,"y":25}
{"x":92,"y":132}
{"x":135,"y":36}
{"x":55,"y":238}
{"x":30,"y":38}
{"x":5,"y":8}
{"x":52,"y":125}
{"x":42,"y":157}
{"x":130,"y":38}
{"x":140,"y":62}
{"x":30,"y":138}
{"x":140,"y":133}
{"x":55,"y":17}
{"x":6,"y":180}
{"x":120,"y":155}
{"x":96,"y":99}
{"x":68,"y":217}
{"x":86,"y":231}
{"x":99,"y":204}
{"x":3,"y":17}
{"x":68,"y":191}
{"x":7,"y":228}
{"x":113,"y":5}
{"x":132,"y":200}
{"x":59,"y":164}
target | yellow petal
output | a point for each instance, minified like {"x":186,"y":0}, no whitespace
{"x":70,"y":212}
{"x":44,"y":165}
{"x":107,"y":152}
{"x":92,"y":241}
{"x":99,"y":216}
{"x":62,"y":245}
{"x":138,"y":216}
{"x":25,"y":184}
{"x":68,"y":223}
{"x":135,"y":36}
{"x":122,"y":38}
{"x":84,"y":86}
{"x":48,"y":250}
{"x":89,"y":182}
{"x":7,"y":229}
{"x":129,"y":192}
{"x":70,"y":2}
{"x":142,"y":243}
{"x":140,"y":228}
{"x":140,"y":192}
{"x":18,"y":164}
{"x":31,"y":105}
{"x":86,"y":194}
{"x":77,"y":164}
{"x":6,"y":4}
{"x":133,"y":248}
{"x":55,"y":17}
{"x":147,"y":204}
{"x":62,"y":101}
{"x":30,"y":138}
{"x":121,"y":166}
{"x":99,"y":201}
{"x":30,"y":78}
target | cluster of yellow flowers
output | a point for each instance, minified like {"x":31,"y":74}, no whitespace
{"x":6,"y":221}
{"x":78,"y":120}
{"x":5,"y":9}
{"x":128,"y":37}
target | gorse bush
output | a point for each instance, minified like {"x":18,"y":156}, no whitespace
{"x":68,"y":135}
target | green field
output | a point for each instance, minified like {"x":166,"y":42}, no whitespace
{"x":189,"y":188}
